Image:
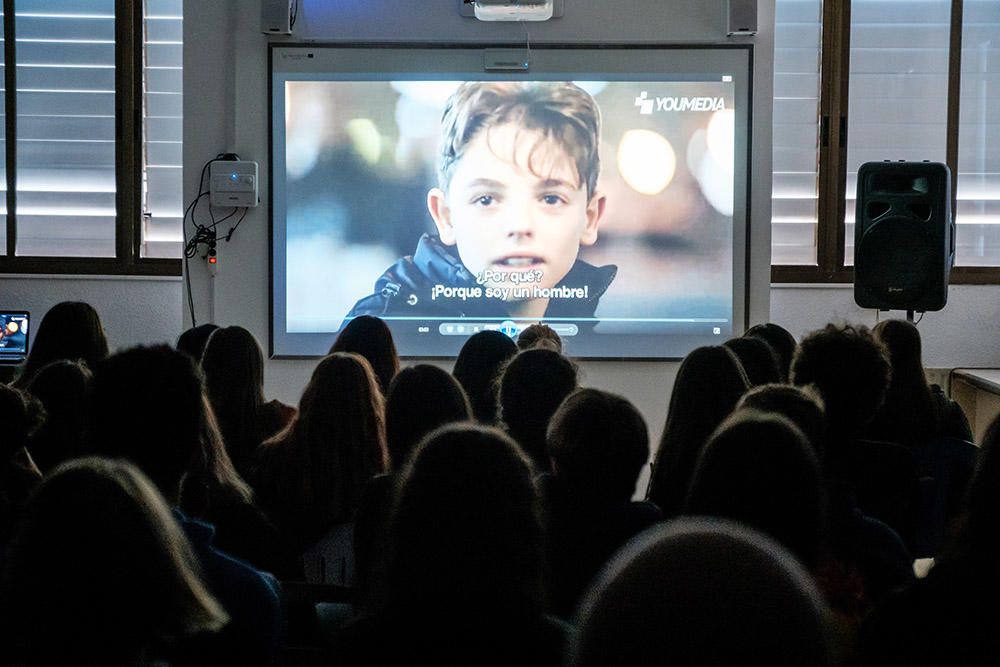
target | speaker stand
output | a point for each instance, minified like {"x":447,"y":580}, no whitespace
{"x":909,"y":316}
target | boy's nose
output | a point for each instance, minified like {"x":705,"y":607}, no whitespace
{"x":521,"y":225}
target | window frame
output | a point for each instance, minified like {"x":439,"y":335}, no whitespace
{"x":128,"y":258}
{"x":835,"y":46}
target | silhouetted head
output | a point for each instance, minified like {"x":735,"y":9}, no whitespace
{"x":69,"y":330}
{"x":902,"y":341}
{"x":699,"y":592}
{"x":709,"y":382}
{"x":803,"y":406}
{"x":149,"y":408}
{"x":759,"y":361}
{"x":99,"y":541}
{"x":781,"y":341}
{"x":233,"y":364}
{"x":193,"y":340}
{"x":908,"y":413}
{"x":532,"y":386}
{"x":598,"y":443}
{"x":64,"y":388}
{"x":539,"y":335}
{"x":851,"y":371}
{"x":421,"y":399}
{"x":371,"y":338}
{"x":759,"y":469}
{"x":336,"y":442}
{"x":466,"y":532}
{"x":477,"y":369}
{"x":21,"y":416}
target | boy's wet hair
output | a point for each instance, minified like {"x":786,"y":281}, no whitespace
{"x":562,"y":112}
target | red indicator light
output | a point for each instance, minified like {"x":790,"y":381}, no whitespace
{"x":212,"y":260}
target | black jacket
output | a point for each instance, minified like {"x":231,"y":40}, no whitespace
{"x":405,"y":288}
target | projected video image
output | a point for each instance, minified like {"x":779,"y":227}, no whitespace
{"x":604,"y":209}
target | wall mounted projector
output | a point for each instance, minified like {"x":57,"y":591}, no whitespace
{"x":513,"y":10}
{"x":233,"y":183}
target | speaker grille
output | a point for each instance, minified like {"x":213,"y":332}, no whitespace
{"x":896,"y":262}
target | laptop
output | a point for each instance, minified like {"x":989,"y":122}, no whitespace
{"x":13,"y":336}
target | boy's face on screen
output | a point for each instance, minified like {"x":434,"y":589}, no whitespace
{"x":516,"y":204}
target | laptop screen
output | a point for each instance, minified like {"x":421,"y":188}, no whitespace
{"x":13,"y":336}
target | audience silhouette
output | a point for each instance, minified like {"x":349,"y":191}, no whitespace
{"x":464,"y":576}
{"x":913,"y":410}
{"x":311,"y":476}
{"x":159,"y":426}
{"x":421,"y":399}
{"x":64,"y":389}
{"x":598,"y":444}
{"x":760,"y":470}
{"x":21,"y":416}
{"x":193,"y":340}
{"x":800,"y":481}
{"x":70,"y":330}
{"x":709,"y":382}
{"x":947,"y":617}
{"x":371,"y":338}
{"x":781,"y":341}
{"x":539,"y":335}
{"x":99,"y":546}
{"x":477,"y":369}
{"x":233,"y":364}
{"x":703,"y":592}
{"x":532,"y":385}
{"x":758,"y":360}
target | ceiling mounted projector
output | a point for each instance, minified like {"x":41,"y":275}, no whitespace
{"x":513,"y":10}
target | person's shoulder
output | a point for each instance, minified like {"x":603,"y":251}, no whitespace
{"x":410,"y":279}
{"x":276,"y":415}
{"x":952,"y":421}
{"x":256,"y":586}
{"x":597,"y":278}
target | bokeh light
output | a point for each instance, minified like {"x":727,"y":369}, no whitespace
{"x":646,"y":161}
{"x":722,"y":136}
{"x":365,"y":139}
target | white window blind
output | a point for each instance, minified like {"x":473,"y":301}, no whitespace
{"x":898,"y":87}
{"x":3,"y":147}
{"x":794,"y":199}
{"x":162,"y":132}
{"x":978,"y":209}
{"x":65,"y":127}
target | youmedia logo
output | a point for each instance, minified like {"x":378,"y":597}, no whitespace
{"x":648,"y":104}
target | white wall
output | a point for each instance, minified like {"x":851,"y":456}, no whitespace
{"x":225,"y":105}
{"x":965,"y":334}
{"x":139,"y":310}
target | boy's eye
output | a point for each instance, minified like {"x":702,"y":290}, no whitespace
{"x":485,"y":200}
{"x":552,"y":200}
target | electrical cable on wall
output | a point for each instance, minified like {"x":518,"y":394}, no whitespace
{"x":205,"y":233}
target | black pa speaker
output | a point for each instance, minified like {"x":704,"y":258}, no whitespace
{"x":742,"y":17}
{"x":904,"y":237}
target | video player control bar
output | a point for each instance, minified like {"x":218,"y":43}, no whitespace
{"x":508,"y":327}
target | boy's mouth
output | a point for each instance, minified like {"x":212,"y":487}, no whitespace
{"x":518,"y":261}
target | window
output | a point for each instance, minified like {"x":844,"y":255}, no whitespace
{"x":795,"y":198}
{"x":91,"y":190}
{"x":978,"y":210}
{"x":162,"y":189}
{"x":894,"y":79}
